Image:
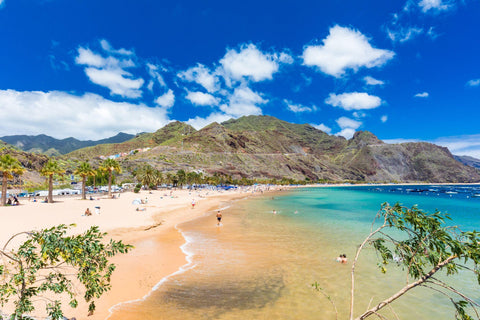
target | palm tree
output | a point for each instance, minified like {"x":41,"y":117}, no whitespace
{"x":146,"y":175}
{"x":182,"y":177}
{"x":110,"y":165}
{"x":8,"y":167}
{"x":84,"y":170}
{"x":49,"y":169}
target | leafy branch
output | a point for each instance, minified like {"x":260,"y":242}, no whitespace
{"x":48,"y":262}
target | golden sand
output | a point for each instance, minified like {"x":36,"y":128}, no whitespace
{"x":157,"y":252}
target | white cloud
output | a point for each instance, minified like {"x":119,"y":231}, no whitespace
{"x":153,"y":72}
{"x":87,"y":57}
{"x":344,"y":49}
{"x":243,"y":102}
{"x":198,"y":122}
{"x":110,"y":71}
{"x":434,"y":5}
{"x":115,"y":80}
{"x":252,"y":63}
{"x":202,"y":99}
{"x":467,"y":145}
{"x":63,"y":115}
{"x":322,"y":127}
{"x":201,"y":75}
{"x":422,"y":95}
{"x":473,"y":83}
{"x":166,"y":100}
{"x":354,"y":101}
{"x":384,"y":118}
{"x":295,"y":107}
{"x":107,"y":47}
{"x":372,"y":81}
{"x":403,"y":34}
{"x":344,"y":122}
{"x":347,"y":126}
{"x":347,"y":133}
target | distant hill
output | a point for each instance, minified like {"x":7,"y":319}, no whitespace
{"x":54,"y":147}
{"x":266,"y":147}
{"x":469,"y":161}
{"x":32,"y":162}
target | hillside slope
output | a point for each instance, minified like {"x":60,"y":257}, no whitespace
{"x":266,"y":147}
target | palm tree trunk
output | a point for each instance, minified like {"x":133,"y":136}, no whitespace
{"x":4,"y":189}
{"x":50,"y":188}
{"x":84,"y":180}
{"x":109,"y":184}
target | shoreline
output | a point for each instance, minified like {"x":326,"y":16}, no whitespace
{"x":158,"y":242}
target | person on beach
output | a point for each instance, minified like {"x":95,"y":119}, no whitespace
{"x":88,"y":212}
{"x":219,"y":218}
{"x":274,"y":211}
{"x":342,"y":259}
{"x":193,"y":203}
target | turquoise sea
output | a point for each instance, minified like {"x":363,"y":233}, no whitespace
{"x":260,"y":265}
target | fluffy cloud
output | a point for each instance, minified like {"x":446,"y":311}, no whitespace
{"x":354,"y":101}
{"x":243,"y":102}
{"x":252,"y":63}
{"x":202,"y":99}
{"x":384,"y":118}
{"x":110,"y":71}
{"x":373,"y":82}
{"x":166,"y":100}
{"x":202,"y":76}
{"x":348,"y":127}
{"x":422,"y":95}
{"x":63,"y":115}
{"x":473,"y":83}
{"x":344,"y":49}
{"x":434,"y":5}
{"x":322,"y":127}
{"x":115,"y":80}
{"x":198,"y":122}
{"x":295,"y":107}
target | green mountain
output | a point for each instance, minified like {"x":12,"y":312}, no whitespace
{"x":172,"y":133}
{"x":266,"y":147}
{"x":54,"y":147}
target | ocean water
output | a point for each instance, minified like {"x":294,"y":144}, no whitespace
{"x":261,"y":265}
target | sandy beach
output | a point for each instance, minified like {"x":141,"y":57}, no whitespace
{"x":151,"y":230}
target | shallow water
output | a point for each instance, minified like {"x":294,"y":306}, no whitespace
{"x":261,"y":265}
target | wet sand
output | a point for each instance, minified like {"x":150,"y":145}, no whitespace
{"x":157,"y":242}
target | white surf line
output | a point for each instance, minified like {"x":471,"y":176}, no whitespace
{"x":188,"y":266}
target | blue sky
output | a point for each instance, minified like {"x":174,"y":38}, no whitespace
{"x":405,"y":70}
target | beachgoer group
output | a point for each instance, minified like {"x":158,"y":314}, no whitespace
{"x":342,"y":258}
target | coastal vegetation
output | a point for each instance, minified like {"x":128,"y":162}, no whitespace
{"x":8,"y":167}
{"x":84,"y":170}
{"x":110,"y":166}
{"x":49,"y":265}
{"x":50,"y":169}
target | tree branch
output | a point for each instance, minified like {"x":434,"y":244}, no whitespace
{"x":406,"y":288}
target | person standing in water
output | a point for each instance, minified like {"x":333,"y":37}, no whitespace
{"x":219,"y":218}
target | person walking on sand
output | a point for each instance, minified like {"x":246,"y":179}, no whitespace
{"x":193,"y":203}
{"x":219,"y":218}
